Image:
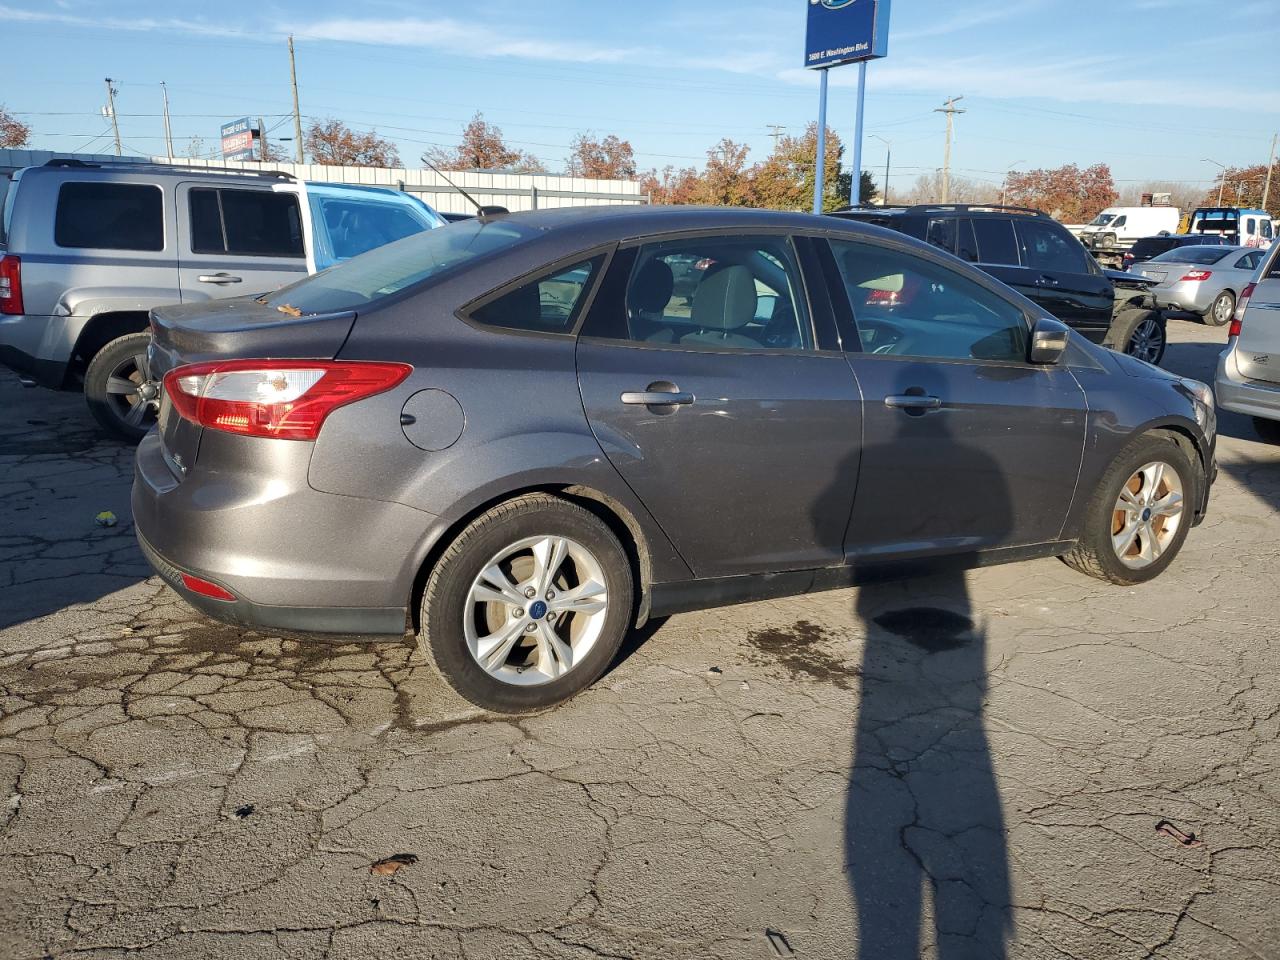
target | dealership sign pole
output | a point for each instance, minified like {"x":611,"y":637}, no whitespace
{"x":840,"y":32}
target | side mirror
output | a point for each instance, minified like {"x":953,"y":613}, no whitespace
{"x":1048,"y":341}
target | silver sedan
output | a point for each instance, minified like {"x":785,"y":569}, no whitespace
{"x":1203,"y":280}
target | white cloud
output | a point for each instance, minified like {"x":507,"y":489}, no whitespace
{"x":137,"y":24}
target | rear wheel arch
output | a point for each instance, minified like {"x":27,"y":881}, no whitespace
{"x":615,"y":515}
{"x":101,"y":329}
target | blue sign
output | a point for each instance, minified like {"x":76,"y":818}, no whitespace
{"x":239,"y":140}
{"x":846,"y":31}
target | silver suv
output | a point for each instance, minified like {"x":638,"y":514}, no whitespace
{"x":87,"y":250}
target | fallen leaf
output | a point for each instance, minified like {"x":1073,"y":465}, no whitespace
{"x":387,"y":867}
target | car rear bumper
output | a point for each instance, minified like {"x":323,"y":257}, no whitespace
{"x":1191,"y":296}
{"x":294,"y":558}
{"x":1254,"y":398}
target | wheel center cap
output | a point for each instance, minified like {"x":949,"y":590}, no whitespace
{"x":537,"y":610}
{"x":148,"y":391}
{"x":1146,"y":515}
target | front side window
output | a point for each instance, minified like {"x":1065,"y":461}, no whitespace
{"x":1266,"y":230}
{"x":1045,"y":247}
{"x":550,"y":304}
{"x":942,"y":233}
{"x":109,"y":216}
{"x":907,"y":306}
{"x":249,"y":223}
{"x":996,"y":243}
{"x":740,"y":293}
{"x":1119,"y":222}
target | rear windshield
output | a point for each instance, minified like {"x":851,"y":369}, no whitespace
{"x":388,"y":270}
{"x":1193,"y":255}
{"x":1148,"y":248}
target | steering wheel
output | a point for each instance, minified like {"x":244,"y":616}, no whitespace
{"x":879,"y":336}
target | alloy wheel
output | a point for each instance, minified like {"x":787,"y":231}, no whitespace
{"x":1147,"y":342}
{"x":132,"y":394}
{"x":1223,"y":307}
{"x":536,"y":610}
{"x":1147,"y":515}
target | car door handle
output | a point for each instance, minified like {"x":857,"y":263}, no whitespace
{"x":912,"y":402}
{"x":661,"y":394}
{"x":218,"y":278}
{"x":1044,"y":280}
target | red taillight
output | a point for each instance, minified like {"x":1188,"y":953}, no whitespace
{"x":280,"y":399}
{"x":1237,"y":318}
{"x":1128,"y":260}
{"x":1197,"y":275}
{"x":207,"y":589}
{"x":10,"y":285}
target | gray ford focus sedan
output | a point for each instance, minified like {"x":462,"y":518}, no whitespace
{"x":521,"y":436}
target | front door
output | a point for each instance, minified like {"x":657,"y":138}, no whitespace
{"x":237,"y":240}
{"x":703,"y":380}
{"x":967,"y":446}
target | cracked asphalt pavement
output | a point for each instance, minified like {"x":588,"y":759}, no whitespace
{"x":957,"y":767}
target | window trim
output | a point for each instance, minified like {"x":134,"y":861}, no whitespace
{"x":218,"y":190}
{"x":164,"y":226}
{"x":972,"y":273}
{"x":606,"y":251}
{"x":788,"y":234}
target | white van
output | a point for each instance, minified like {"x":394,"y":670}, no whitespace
{"x":1116,"y":229}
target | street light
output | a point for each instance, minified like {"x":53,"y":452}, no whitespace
{"x":1223,"y":181}
{"x":1004,"y":184}
{"x":888,"y":153}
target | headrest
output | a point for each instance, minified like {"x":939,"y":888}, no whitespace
{"x":725,"y":300}
{"x":652,"y":287}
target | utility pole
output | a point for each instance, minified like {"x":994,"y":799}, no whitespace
{"x":262,"y":141}
{"x":1266,"y":190}
{"x":949,"y":108}
{"x":168,"y":131}
{"x":888,"y":154}
{"x":776,"y":130}
{"x":297,"y":116}
{"x":111,"y":110}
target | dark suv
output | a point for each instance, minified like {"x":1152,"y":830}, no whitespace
{"x":1148,"y":248}
{"x":1034,"y":254}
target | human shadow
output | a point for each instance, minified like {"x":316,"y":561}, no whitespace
{"x":924,"y":826}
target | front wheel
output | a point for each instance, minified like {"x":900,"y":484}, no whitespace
{"x":1139,"y":515}
{"x":122,"y":395}
{"x":1139,"y":333}
{"x":528,"y":606}
{"x":1220,"y":311}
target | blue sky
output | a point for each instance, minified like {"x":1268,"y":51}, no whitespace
{"x":1150,"y":86}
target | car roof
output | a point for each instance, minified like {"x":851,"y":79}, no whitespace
{"x":70,"y":169}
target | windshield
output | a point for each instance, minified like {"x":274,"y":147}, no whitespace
{"x":397,"y":266}
{"x":349,"y":222}
{"x":1102,"y":219}
{"x":1199,"y":255}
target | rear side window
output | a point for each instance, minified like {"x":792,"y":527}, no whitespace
{"x":550,"y":304}
{"x":250,"y":223}
{"x":996,"y":243}
{"x":1047,"y":247}
{"x":109,"y":216}
{"x":942,"y":233}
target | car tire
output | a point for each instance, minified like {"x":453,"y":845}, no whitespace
{"x":461,"y":623}
{"x":1112,"y":513}
{"x":1140,"y":333}
{"x":126,"y":412}
{"x":1268,"y":430}
{"x":1221,"y":310}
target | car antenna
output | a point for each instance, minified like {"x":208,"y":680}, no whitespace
{"x":482,"y":212}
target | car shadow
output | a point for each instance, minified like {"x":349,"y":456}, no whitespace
{"x":68,"y":534}
{"x":924,"y":833}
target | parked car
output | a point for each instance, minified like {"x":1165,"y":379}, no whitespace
{"x":1239,"y":226}
{"x":89,"y":248}
{"x":1248,"y":378}
{"x":1203,"y":280}
{"x":515,"y":438}
{"x":1115,"y":230}
{"x":1038,"y":257}
{"x":1150,"y":247}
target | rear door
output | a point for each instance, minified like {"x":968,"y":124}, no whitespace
{"x":967,"y":447}
{"x":237,"y":240}
{"x":1258,"y":351}
{"x":722,"y":398}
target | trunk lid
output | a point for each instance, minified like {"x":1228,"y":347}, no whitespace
{"x":1258,"y":349}
{"x":225,"y":330}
